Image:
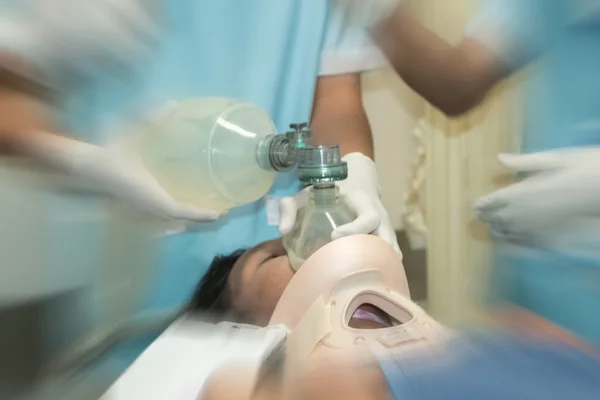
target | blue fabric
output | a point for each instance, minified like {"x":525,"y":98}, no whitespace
{"x":562,"y":98}
{"x":262,"y":51}
{"x":562,"y":289}
{"x":496,"y":369}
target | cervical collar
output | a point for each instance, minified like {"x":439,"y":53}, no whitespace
{"x":319,"y":302}
{"x":341,"y":276}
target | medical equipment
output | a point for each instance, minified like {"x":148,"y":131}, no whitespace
{"x":321,"y":167}
{"x":351,"y":271}
{"x":218,"y":153}
{"x":311,"y":318}
{"x":319,"y":302}
{"x":178,"y":363}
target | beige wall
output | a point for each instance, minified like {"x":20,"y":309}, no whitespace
{"x":393,"y":110}
{"x":461,"y":165}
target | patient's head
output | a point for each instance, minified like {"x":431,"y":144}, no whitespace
{"x":352,"y":275}
{"x":246,"y":285}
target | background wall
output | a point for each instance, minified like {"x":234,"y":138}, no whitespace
{"x":460,"y":165}
{"x":393,"y":110}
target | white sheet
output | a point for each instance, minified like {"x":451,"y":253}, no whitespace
{"x":178,"y":363}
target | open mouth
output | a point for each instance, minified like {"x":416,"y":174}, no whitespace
{"x":368,"y":316}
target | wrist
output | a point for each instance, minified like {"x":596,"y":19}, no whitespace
{"x":58,"y":152}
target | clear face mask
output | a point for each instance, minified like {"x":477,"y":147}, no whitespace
{"x":320,"y":167}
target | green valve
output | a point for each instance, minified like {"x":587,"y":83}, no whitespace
{"x":321,"y":165}
{"x":299,"y":136}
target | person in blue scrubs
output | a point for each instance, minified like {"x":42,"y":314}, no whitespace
{"x":530,"y":271}
{"x":47,"y":50}
{"x":298,"y":60}
{"x":504,"y":37}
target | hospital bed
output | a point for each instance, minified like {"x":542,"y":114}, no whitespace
{"x":178,"y":363}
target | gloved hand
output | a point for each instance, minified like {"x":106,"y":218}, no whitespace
{"x":113,"y":170}
{"x":561,"y":185}
{"x":360,"y":192}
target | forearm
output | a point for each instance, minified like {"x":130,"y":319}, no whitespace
{"x":452,"y":78}
{"x":21,"y":116}
{"x":339,"y":116}
{"x":28,"y":130}
{"x":24,"y":109}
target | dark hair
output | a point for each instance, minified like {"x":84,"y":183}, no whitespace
{"x":210,"y":294}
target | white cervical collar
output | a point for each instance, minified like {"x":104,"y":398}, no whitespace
{"x":326,"y":321}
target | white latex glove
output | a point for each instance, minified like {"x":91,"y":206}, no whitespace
{"x":562,"y":185}
{"x":360,"y":192}
{"x":112,"y":170}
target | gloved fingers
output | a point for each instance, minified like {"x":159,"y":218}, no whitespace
{"x":367,"y":219}
{"x":288,"y":211}
{"x":190,"y":212}
{"x":490,"y":203}
{"x":498,"y":217}
{"x":501,"y":198}
{"x":156,"y":201}
{"x":133,"y":183}
{"x":387,"y":233}
{"x":535,"y":162}
{"x":164,"y":204}
{"x":498,"y":212}
{"x":287,"y":215}
{"x":537,"y":186}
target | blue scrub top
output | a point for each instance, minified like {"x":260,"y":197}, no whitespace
{"x":495,"y":368}
{"x":266,"y":52}
{"x":563,"y":105}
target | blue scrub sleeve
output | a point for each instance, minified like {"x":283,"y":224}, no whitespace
{"x":518,"y":31}
{"x":496,"y":369}
{"x":347,"y":47}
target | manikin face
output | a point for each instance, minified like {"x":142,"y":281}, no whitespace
{"x":257,"y":280}
{"x":262,"y":274}
{"x":338,"y":371}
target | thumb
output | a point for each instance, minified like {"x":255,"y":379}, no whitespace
{"x":288,"y":209}
{"x":367,"y":219}
{"x":189,"y":212}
